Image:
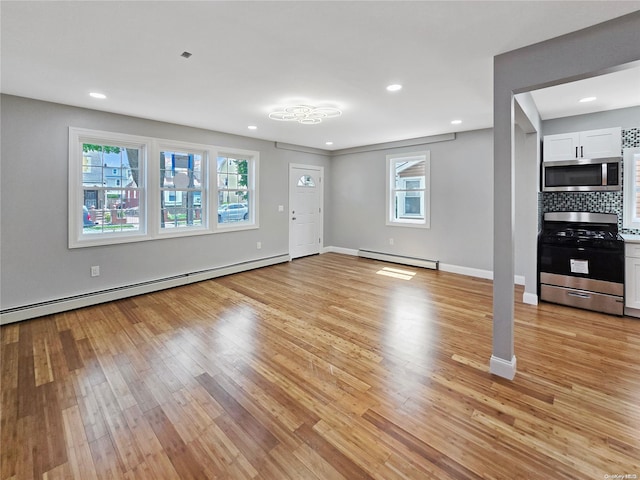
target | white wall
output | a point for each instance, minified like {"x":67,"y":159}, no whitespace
{"x":37,"y":265}
{"x":461,"y":203}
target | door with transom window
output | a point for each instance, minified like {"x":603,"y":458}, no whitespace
{"x":305,"y":210}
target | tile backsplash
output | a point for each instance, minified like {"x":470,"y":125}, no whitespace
{"x":600,"y":202}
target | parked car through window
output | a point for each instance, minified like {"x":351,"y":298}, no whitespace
{"x":233,"y":212}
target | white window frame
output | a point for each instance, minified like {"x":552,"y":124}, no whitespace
{"x":392,"y":159}
{"x":207,"y":152}
{"x":253,"y":167}
{"x":149,"y":188}
{"x":631,"y":215}
{"x":77,"y":137}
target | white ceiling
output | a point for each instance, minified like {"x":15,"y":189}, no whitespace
{"x":252,"y":57}
{"x":615,"y":90}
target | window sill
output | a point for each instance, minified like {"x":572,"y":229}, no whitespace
{"x":221,"y":227}
{"x":408,"y":223}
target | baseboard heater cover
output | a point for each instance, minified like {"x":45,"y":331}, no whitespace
{"x":401,"y":259}
{"x":26,"y":312}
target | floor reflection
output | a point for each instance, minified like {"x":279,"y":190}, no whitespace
{"x":410,"y":327}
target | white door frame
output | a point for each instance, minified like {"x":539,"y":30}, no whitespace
{"x":320,"y":171}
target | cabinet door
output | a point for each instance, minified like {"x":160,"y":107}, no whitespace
{"x":560,"y":147}
{"x":601,"y":143}
{"x":632,"y":282}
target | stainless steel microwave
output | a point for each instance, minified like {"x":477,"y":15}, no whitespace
{"x":584,"y":175}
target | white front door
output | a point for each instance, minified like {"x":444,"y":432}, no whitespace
{"x":305,"y":210}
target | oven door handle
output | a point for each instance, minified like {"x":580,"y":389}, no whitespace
{"x":579,"y":294}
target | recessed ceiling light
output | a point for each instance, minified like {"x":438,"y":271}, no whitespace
{"x":252,"y":127}
{"x":101,"y":96}
{"x":456,"y":122}
{"x":394,"y":88}
{"x":328,"y":143}
{"x":587,"y":99}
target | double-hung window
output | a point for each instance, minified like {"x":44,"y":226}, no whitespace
{"x":237,"y":172}
{"x":408,"y":189}
{"x":183,"y":186}
{"x":107,"y":194}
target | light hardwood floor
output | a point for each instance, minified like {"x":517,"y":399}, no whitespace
{"x":328,"y":367}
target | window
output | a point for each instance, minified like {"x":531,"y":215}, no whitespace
{"x":408,"y":189}
{"x":631,"y":171}
{"x":182,"y":183}
{"x":107,"y":187}
{"x":124,"y":188}
{"x":237,"y":189}
{"x":306,"y":181}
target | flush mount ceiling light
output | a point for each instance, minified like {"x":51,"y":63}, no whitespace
{"x":305,"y":114}
{"x":394,"y":88}
{"x":101,"y":96}
{"x":252,"y":127}
{"x":587,"y":99}
{"x":456,"y":122}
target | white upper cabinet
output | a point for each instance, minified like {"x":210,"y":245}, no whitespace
{"x":603,"y":143}
{"x":564,"y":146}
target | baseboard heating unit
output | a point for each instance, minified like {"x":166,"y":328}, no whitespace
{"x":93,"y":298}
{"x":391,"y":258}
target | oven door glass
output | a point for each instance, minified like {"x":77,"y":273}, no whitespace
{"x":594,"y":263}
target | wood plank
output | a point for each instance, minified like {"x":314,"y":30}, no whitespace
{"x":340,"y":462}
{"x":51,"y":448}
{"x":70,"y":350}
{"x":9,"y":334}
{"x":173,"y":445}
{"x":414,"y":444}
{"x":26,"y":372}
{"x":247,"y":422}
{"x":80,"y":461}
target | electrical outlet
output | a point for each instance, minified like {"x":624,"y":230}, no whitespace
{"x":391,"y":241}
{"x":281,"y":208}
{"x":259,"y":245}
{"x":95,"y":271}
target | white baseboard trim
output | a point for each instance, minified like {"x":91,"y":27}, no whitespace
{"x":530,"y":298}
{"x":70,"y":303}
{"x":344,"y":251}
{"x":469,"y":272}
{"x":476,"y":272}
{"x":503,"y":368}
{"x":632,"y":312}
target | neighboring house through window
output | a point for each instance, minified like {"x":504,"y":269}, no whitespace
{"x":408,"y":189}
{"x":182,"y":183}
{"x":106,"y":173}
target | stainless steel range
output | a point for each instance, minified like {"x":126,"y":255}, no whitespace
{"x":581,"y":261}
